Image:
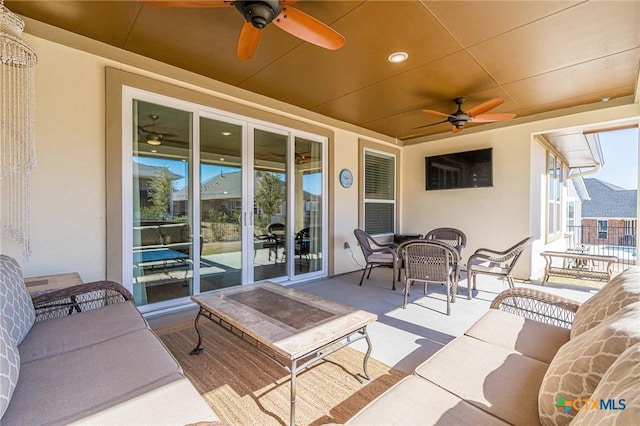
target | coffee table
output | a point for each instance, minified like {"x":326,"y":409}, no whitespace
{"x":296,"y":329}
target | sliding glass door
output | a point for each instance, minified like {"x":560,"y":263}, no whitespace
{"x":163,"y":248}
{"x":217,"y":201}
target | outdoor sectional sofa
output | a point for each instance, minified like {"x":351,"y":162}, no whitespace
{"x":102,"y":365}
{"x":533,"y":359}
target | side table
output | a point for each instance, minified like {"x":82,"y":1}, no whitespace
{"x":47,"y":283}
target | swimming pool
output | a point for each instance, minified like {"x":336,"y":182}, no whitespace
{"x":619,"y":249}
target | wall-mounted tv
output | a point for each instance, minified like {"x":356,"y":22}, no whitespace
{"x":469,"y":169}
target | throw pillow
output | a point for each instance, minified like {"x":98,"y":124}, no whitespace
{"x":578,"y":367}
{"x":620,"y":384}
{"x":15,"y":303}
{"x":616,"y":294}
{"x":10,"y":363}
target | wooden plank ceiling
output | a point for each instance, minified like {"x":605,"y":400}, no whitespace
{"x":540,"y":55}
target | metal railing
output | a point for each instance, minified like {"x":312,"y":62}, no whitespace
{"x":614,"y":241}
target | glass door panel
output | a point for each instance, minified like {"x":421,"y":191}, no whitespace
{"x":308,"y":193}
{"x":270,"y":205}
{"x":221,"y":195}
{"x":162,"y":237}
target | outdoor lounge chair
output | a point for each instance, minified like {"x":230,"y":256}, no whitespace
{"x":496,"y":263}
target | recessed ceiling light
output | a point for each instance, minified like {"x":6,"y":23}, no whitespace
{"x":221,"y":159}
{"x":154,"y":140}
{"x":606,"y":98}
{"x":226,"y":133}
{"x":396,"y":57}
{"x":154,"y":150}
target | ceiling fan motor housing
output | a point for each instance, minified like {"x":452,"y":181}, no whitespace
{"x":259,"y":13}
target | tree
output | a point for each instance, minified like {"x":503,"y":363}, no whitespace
{"x":269,"y":194}
{"x":160,"y":190}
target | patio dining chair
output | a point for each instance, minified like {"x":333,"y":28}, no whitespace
{"x":453,"y":237}
{"x":495,"y":263}
{"x":376,"y":255}
{"x":429,"y":262}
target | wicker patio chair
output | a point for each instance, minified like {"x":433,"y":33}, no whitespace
{"x":376,"y":255}
{"x":537,"y":305}
{"x":453,"y":237}
{"x":428,"y":261}
{"x":496,"y":263}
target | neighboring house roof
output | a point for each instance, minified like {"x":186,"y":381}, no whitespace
{"x":609,"y":201}
{"x":224,"y":186}
{"x":149,"y":172}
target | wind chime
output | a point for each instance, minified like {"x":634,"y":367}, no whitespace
{"x":17,"y":122}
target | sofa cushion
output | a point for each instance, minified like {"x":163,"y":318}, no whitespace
{"x":414,"y":401}
{"x":73,"y":385}
{"x":174,"y":233}
{"x":146,"y":236}
{"x":621,"y":383}
{"x":59,"y":335}
{"x":499,"y":381}
{"x":9,"y":367}
{"x":620,"y":291}
{"x":15,"y":303}
{"x":531,"y":338}
{"x":579,"y":365}
{"x":178,"y":401}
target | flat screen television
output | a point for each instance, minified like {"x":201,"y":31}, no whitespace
{"x":469,"y":169}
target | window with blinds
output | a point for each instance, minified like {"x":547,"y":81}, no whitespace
{"x":379,"y":193}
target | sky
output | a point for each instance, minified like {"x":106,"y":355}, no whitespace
{"x":620,"y":151}
{"x":311,"y":182}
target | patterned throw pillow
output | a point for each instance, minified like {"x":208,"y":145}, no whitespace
{"x":578,"y":367}
{"x":15,"y":303}
{"x":616,"y":294}
{"x":621,"y":384}
{"x":10,"y":363}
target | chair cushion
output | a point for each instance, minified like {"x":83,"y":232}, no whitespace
{"x":620,"y":291}
{"x":59,"y":335}
{"x":580,"y":364}
{"x":381,"y":258}
{"x":621,"y":383}
{"x":15,"y":303}
{"x":10,"y":363}
{"x":494,"y":379}
{"x":530,"y":338}
{"x":416,"y":401}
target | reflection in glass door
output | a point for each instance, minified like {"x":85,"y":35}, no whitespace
{"x":163,"y":253}
{"x":270,"y":205}
{"x":308,"y":206}
{"x":221,"y":195}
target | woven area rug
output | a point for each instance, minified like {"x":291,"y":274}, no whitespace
{"x":246,"y":387}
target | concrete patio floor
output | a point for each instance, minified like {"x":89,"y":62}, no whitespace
{"x":404,"y":338}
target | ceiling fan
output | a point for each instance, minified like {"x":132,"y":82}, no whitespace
{"x":153,"y":137}
{"x":476,"y":114}
{"x":258,"y":14}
